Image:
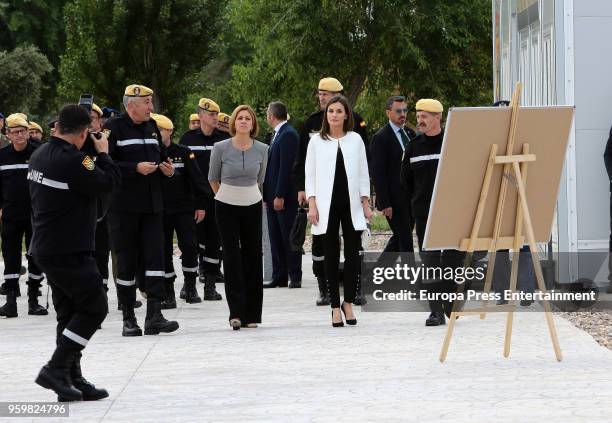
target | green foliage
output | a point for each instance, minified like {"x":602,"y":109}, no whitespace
{"x":420,"y":48}
{"x":114,"y":43}
{"x":21,"y":79}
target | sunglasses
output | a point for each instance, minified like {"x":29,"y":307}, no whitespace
{"x":405,"y":110}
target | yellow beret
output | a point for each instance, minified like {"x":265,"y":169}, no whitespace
{"x":21,"y":115}
{"x":330,"y":84}
{"x":194,"y":116}
{"x":162,"y":121}
{"x":208,"y":105}
{"x":224,"y":118}
{"x":136,"y":90}
{"x":429,"y":105}
{"x":16,"y":120}
{"x":97,"y":109}
{"x":35,"y":126}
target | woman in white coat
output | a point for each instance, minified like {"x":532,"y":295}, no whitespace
{"x":338,"y":192}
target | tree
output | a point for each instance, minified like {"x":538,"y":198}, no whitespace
{"x":21,"y":79}
{"x":420,"y":48}
{"x":38,"y":23}
{"x":114,"y":43}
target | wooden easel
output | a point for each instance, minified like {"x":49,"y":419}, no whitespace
{"x":516,"y":164}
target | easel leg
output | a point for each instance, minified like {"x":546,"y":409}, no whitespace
{"x":488,"y":279}
{"x":536,"y":261}
{"x":510,"y":316}
{"x":448,"y":336}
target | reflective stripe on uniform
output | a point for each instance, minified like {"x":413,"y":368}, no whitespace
{"x":423,"y":158}
{"x":125,"y":143}
{"x":12,"y":276}
{"x":14,"y":166}
{"x":54,"y":184}
{"x":177,"y":165}
{"x":190,"y":269}
{"x":318,"y":258}
{"x":126,"y":283}
{"x":74,"y":337}
{"x":155,"y":273}
{"x":33,"y":276}
{"x":200,"y":147}
{"x":210,"y":260}
{"x":169,"y":275}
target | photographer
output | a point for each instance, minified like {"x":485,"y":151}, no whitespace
{"x":64,"y":185}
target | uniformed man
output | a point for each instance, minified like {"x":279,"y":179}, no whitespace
{"x":135,"y":216}
{"x":201,"y":141}
{"x":194,"y":121}
{"x":418,"y":176}
{"x":64,"y":184}
{"x":35,"y":131}
{"x":102,"y":231}
{"x":15,"y":209}
{"x":328,"y":87}
{"x":184,"y":201}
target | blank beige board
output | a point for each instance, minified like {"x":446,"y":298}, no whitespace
{"x":469,"y":135}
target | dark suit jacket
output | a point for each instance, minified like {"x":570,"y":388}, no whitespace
{"x":281,"y":157}
{"x":386,"y":169}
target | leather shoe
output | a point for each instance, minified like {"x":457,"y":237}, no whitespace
{"x":435,"y":319}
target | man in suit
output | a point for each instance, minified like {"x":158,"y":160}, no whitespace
{"x":392,"y":200}
{"x":280,"y":197}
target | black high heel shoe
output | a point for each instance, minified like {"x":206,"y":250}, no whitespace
{"x":351,"y":322}
{"x":337,"y":324}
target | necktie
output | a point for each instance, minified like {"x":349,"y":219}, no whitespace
{"x":272,"y":139}
{"x":404,"y":137}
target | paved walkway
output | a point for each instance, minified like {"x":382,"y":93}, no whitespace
{"x":295,"y":367}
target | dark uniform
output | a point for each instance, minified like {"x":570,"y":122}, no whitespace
{"x":208,"y":237}
{"x":419,"y":168}
{"x":184,"y":193}
{"x":136,"y":218}
{"x":311,"y":126}
{"x":64,"y":183}
{"x":16,"y":223}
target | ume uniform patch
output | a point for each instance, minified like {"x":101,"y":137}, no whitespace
{"x":88,"y":163}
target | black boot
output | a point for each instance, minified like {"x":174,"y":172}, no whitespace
{"x":210,"y":289}
{"x":435,"y":319}
{"x":137,"y":304}
{"x":88,"y":389}
{"x":182,"y":293}
{"x":201,"y":268}
{"x":130,"y":325}
{"x":170,"y":300}
{"x":323,"y":299}
{"x":35,"y":309}
{"x":191,"y":293}
{"x":3,"y":291}
{"x":155,"y":321}
{"x":10,"y":308}
{"x":55,"y":375}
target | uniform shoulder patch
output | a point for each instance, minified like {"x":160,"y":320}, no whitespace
{"x":191,"y":156}
{"x":88,"y":163}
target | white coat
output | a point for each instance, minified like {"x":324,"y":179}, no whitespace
{"x":320,"y":171}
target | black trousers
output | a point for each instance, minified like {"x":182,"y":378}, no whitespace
{"x":13,"y":233}
{"x":341,"y":216}
{"x":402,"y":225}
{"x":78,"y":296}
{"x":138,"y":241}
{"x":286,"y":264}
{"x":503,"y":267}
{"x":209,"y":243}
{"x":436,"y":258}
{"x":185,"y":227}
{"x":318,"y":256}
{"x":102,"y":253}
{"x":240,"y":233}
